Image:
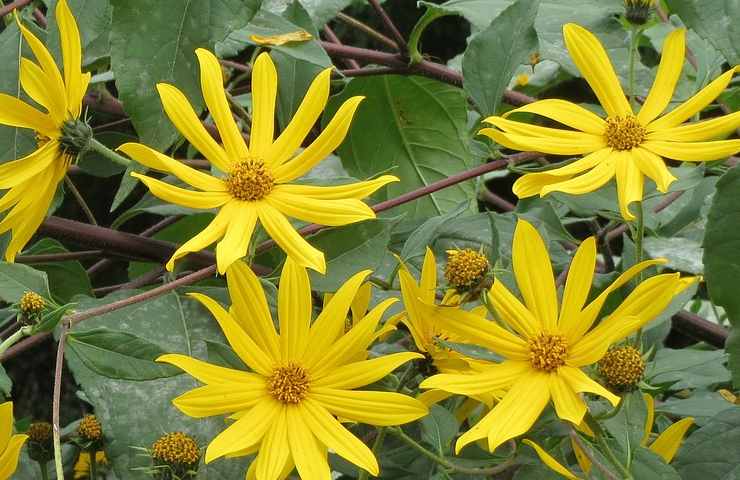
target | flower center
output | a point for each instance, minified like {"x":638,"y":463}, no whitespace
{"x":624,"y":133}
{"x":288,"y":384}
{"x":176,"y":448}
{"x":622,"y":367}
{"x":250,"y":180}
{"x":465,"y":268}
{"x":31,"y":303}
{"x":40,"y":432}
{"x":548,"y":352}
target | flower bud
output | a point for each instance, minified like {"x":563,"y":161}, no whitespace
{"x":637,"y":12}
{"x":622,"y":368}
{"x":40,"y":446}
{"x":176,"y":456}
{"x":466,"y":269}
{"x":76,"y":136}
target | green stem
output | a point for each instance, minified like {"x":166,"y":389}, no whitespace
{"x":13,"y":339}
{"x":429,"y":16}
{"x":101,"y":149}
{"x":605,"y":448}
{"x":80,"y":200}
{"x":93,"y":466}
{"x":44,"y":470}
{"x":634,"y":39}
{"x":379,"y":438}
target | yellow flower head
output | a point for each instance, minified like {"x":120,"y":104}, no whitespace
{"x":31,"y":181}
{"x":256,"y":182}
{"x":547,"y":346}
{"x":90,"y":429}
{"x":301,"y":378}
{"x":10,"y":445}
{"x":465,"y":269}
{"x":622,"y":367}
{"x":31,"y":303}
{"x":176,"y":449}
{"x":625,"y":145}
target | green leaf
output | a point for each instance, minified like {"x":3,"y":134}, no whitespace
{"x":487,"y":71}
{"x":646,"y":464}
{"x":119,"y":355}
{"x":67,"y":278}
{"x":155,"y":42}
{"x":683,"y":254}
{"x":93,"y":19}
{"x":51,"y":319}
{"x":321,"y":11}
{"x":721,"y":259}
{"x":6,"y":384}
{"x":224,"y":355}
{"x":414,"y":128}
{"x":714,"y":20}
{"x":628,"y":425}
{"x":711,"y":452}
{"x":17,"y":279}
{"x":702,"y":405}
{"x":688,"y":368}
{"x":472,"y":351}
{"x":439,"y":428}
{"x":14,"y":142}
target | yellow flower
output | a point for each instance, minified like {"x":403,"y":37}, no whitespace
{"x":10,"y":445}
{"x":301,"y":379}
{"x":256,"y":182}
{"x":665,"y":445}
{"x":546,"y":347}
{"x":624,"y":145}
{"x":31,"y":181}
{"x":82,"y":466}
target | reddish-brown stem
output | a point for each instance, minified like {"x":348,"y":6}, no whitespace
{"x":350,"y":62}
{"x":367,"y":72}
{"x":236,"y":66}
{"x":12,"y":6}
{"x":390,"y":26}
{"x":363,"y":27}
{"x":59,"y":257}
{"x":670,"y":198}
{"x":695,"y":327}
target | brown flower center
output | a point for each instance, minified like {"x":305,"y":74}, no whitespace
{"x":250,"y":180}
{"x":622,"y":367}
{"x":289,"y":383}
{"x":548,"y":352}
{"x":624,"y":133}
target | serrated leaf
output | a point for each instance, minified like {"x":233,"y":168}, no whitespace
{"x":119,"y":355}
{"x":439,"y":428}
{"x":711,"y":452}
{"x":683,"y":254}
{"x":66,"y":278}
{"x":487,"y":71}
{"x":688,"y":368}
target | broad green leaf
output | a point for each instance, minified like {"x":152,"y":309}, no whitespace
{"x":711,"y":452}
{"x":6,"y":384}
{"x":67,"y":278}
{"x":487,"y":71}
{"x":628,"y":425}
{"x":439,"y":428}
{"x":721,"y":259}
{"x":137,"y":413}
{"x":646,"y":464}
{"x":688,"y":368}
{"x":321,"y":11}
{"x":119,"y":355}
{"x":714,"y":20}
{"x":411,"y":127}
{"x":702,"y":405}
{"x":17,"y":279}
{"x":683,"y":254}
{"x":222,"y":354}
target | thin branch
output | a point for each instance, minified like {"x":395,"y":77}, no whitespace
{"x":80,"y":200}
{"x":364,"y":27}
{"x":140,"y":281}
{"x":56,"y":401}
{"x":695,"y":327}
{"x":236,"y":66}
{"x":367,"y":72}
{"x":59,"y":257}
{"x":390,"y":26}
{"x":351,"y":63}
{"x":18,"y":4}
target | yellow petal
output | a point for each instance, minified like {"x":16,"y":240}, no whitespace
{"x":181,"y":114}
{"x":416,"y":318}
{"x":274,"y":450}
{"x":337,"y":438}
{"x":526,"y":129}
{"x":694,"y":104}
{"x":325,"y":143}
{"x":330,"y":323}
{"x":359,"y":374}
{"x":512,"y":312}
{"x":217,"y":399}
{"x":235,"y":243}
{"x":580,"y":382}
{"x":34,"y":82}
{"x":6,"y":423}
{"x":550,"y":461}
{"x":432,"y":397}
{"x":245,"y":347}
{"x":15,"y":113}
{"x":264,"y":92}
{"x":55,"y":84}
{"x":206,"y":372}
{"x":489,"y":379}
{"x":653,"y":167}
{"x":586,"y":182}
{"x":9,"y":458}
{"x":180,"y":196}
{"x":532,"y":183}
{"x":565,"y":112}
{"x":669,"y":441}
{"x":323,"y":212}
{"x":309,"y":455}
{"x":212,"y":85}
{"x":248,"y":430}
{"x":669,"y":71}
{"x":69,"y":39}
{"x":556,"y":146}
{"x":578,"y":284}
{"x":206,"y":237}
{"x":304,"y":119}
{"x":534,"y":276}
{"x":583,"y":461}
{"x":356,"y":190}
{"x":294,"y":245}
{"x":694,"y":151}
{"x":698,"y":131}
{"x":428,"y":280}
{"x":649,"y":418}
{"x":17,"y":171}
{"x":158,"y":161}
{"x":370,"y":407}
{"x":294,"y":310}
{"x":568,"y":405}
{"x":629,"y":183}
{"x":250,"y":304}
{"x":282,"y":39}
{"x":592,"y":61}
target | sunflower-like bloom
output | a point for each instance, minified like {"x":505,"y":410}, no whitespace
{"x":31,"y":181}
{"x":546,"y":349}
{"x":256,"y":185}
{"x":624,"y":145}
{"x":10,"y":445}
{"x":301,"y":379}
{"x":666,"y":444}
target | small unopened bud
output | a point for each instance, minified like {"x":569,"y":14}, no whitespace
{"x":637,"y":12}
{"x":176,"y":456}
{"x":31,"y":306}
{"x":76,"y":136}
{"x":466,"y":269}
{"x":90,"y":432}
{"x":622,"y":368}
{"x":40,"y":446}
